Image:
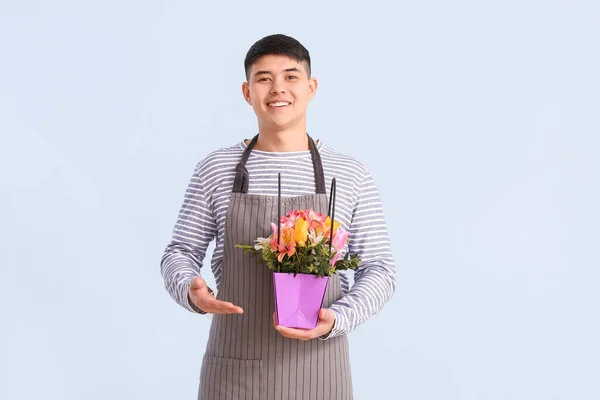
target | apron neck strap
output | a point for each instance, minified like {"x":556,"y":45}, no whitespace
{"x":240,"y":183}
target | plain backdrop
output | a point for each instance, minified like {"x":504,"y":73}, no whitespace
{"x":478,"y":120}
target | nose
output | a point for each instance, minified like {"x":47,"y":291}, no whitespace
{"x":277,"y":87}
{"x":277,"y":90}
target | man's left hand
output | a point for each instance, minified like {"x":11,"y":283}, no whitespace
{"x":324,"y":326}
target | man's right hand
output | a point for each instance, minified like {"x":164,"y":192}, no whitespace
{"x":207,"y":302}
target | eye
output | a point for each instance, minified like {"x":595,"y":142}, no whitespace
{"x":292,"y":77}
{"x":264,"y":79}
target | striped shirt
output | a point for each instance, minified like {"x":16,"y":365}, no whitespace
{"x":358,"y":208}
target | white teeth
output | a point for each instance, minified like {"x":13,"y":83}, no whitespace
{"x":279,"y":104}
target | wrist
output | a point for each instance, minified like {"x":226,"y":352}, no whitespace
{"x":191,"y":297}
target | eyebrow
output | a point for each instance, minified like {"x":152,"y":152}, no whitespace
{"x":263,"y":72}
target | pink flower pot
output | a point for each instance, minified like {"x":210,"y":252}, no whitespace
{"x":298,"y":299}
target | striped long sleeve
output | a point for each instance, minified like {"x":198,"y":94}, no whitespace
{"x":374,"y":279}
{"x":194,"y":230}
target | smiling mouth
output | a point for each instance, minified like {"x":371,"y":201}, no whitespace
{"x":279,"y":104}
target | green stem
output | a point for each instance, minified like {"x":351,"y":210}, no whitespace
{"x":298,"y":258}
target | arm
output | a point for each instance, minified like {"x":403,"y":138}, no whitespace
{"x":195,"y":229}
{"x":374,"y":279}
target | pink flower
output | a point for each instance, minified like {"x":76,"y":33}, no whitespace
{"x":289,"y":222}
{"x":313,"y":215}
{"x":314,"y":219}
{"x":293,"y":215}
{"x":339,"y":239}
{"x":335,"y":258}
{"x":274,"y":237}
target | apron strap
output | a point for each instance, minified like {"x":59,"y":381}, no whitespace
{"x":240,"y":183}
{"x":331,"y":210}
{"x":317,"y":167}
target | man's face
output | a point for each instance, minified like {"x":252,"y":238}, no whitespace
{"x":279,"y":90}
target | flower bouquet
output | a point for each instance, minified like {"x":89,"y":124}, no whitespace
{"x":303,"y":252}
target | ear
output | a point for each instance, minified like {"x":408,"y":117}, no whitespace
{"x":246,"y":93}
{"x":312,"y":87}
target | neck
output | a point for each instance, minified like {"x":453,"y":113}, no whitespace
{"x":282,"y":140}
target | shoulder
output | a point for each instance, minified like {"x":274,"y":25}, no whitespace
{"x":342,"y":162}
{"x":219,"y":160}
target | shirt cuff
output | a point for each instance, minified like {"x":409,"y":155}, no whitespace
{"x":190,"y":305}
{"x":337,"y":327}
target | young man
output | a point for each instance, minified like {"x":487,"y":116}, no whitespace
{"x":232,"y":197}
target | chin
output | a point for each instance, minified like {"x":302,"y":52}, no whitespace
{"x":280,"y":123}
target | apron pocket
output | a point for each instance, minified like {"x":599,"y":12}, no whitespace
{"x":231,"y":378}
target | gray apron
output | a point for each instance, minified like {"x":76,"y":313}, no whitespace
{"x":246,"y":358}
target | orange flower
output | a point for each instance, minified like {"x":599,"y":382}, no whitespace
{"x":327,"y":227}
{"x":287,"y":243}
{"x":301,"y":232}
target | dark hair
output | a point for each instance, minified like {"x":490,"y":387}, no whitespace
{"x":279,"y":45}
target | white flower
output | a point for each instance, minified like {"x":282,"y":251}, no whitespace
{"x":313,"y":238}
{"x":262,"y":243}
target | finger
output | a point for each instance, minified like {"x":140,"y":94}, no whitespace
{"x":301,"y":334}
{"x":226,"y":307}
{"x":220,"y":310}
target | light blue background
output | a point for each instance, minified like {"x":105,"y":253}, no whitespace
{"x":478,"y":120}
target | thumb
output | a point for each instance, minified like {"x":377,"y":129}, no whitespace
{"x":197,"y":283}
{"x":325,"y":314}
